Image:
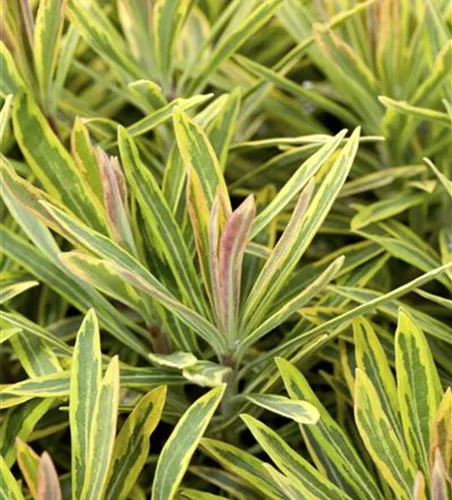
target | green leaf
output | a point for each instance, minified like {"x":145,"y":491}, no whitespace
{"x":298,"y":180}
{"x":385,"y":209}
{"x":164,"y":113}
{"x":182,"y":443}
{"x":206,"y":373}
{"x":191,"y":494}
{"x":244,"y":465}
{"x":48,"y":159}
{"x":97,"y":273}
{"x":86,"y":378}
{"x":419,"y":389}
{"x":328,"y":444}
{"x":132,"y":444}
{"x":372,"y":360}
{"x":221,"y":133}
{"x":298,"y":411}
{"x":58,"y":384}
{"x":9,"y":291}
{"x":441,"y":177}
{"x":19,"y":423}
{"x":9,"y":487}
{"x":311,"y":96}
{"x":7,"y":333}
{"x":422,"y":113}
{"x":130,"y":270}
{"x":177,"y":360}
{"x":4,"y":119}
{"x":336,"y":324}
{"x":103,"y":37}
{"x":198,"y":154}
{"x":28,"y":462}
{"x":36,"y":357}
{"x":11,"y":81}
{"x":234,"y":40}
{"x":102,"y":434}
{"x":311,"y":483}
{"x":47,"y":35}
{"x":167,"y":19}
{"x":166,"y":233}
{"x":19,"y":321}
{"x":309,"y":291}
{"x":380,"y":439}
{"x":300,"y":231}
{"x":441,"y":432}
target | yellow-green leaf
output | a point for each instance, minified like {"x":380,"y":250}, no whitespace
{"x":298,"y":411}
{"x":182,"y":443}
{"x":380,"y":439}
{"x":419,"y":389}
{"x":132,"y":444}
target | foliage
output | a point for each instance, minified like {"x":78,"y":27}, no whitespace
{"x":183,"y":203}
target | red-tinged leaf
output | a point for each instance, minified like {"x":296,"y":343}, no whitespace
{"x":115,"y":195}
{"x":232,"y":248}
{"x":48,"y":483}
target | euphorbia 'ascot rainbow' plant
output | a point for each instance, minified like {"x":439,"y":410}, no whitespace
{"x":214,"y":309}
{"x":181,"y":172}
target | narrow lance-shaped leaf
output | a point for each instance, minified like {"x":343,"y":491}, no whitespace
{"x":11,"y":81}
{"x":96,"y":28}
{"x":129,"y":269}
{"x":197,"y":153}
{"x":158,"y":216}
{"x":298,"y":180}
{"x":17,"y":320}
{"x":207,"y":373}
{"x":4,"y":118}
{"x":96,"y":272}
{"x":244,"y":465}
{"x":233,"y":242}
{"x":371,"y":359}
{"x":313,"y":484}
{"x":180,"y":446}
{"x":47,"y":36}
{"x":115,"y":199}
{"x":84,"y":391}
{"x":234,"y":40}
{"x":339,"y":457}
{"x":298,"y":411}
{"x":85,"y":158}
{"x":179,"y":360}
{"x":276,"y":260}
{"x":9,"y":291}
{"x":48,"y":487}
{"x":299,"y":233}
{"x":416,"y":111}
{"x":380,"y":439}
{"x":419,"y":389}
{"x":441,"y":434}
{"x":102,"y":434}
{"x":447,"y":184}
{"x":28,"y":462}
{"x":385,"y":209}
{"x":221,"y":134}
{"x":19,"y":423}
{"x":335,"y":325}
{"x":132,"y":444}
{"x":9,"y":487}
{"x":167,"y":19}
{"x":290,"y":307}
{"x":48,"y":158}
